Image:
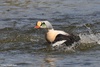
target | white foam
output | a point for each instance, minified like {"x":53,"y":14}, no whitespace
{"x":90,"y":38}
{"x":98,"y":42}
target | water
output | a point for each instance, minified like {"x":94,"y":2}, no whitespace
{"x":23,"y":46}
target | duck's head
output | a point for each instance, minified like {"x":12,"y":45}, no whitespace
{"x":43,"y":24}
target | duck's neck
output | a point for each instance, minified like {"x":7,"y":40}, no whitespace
{"x":50,"y":29}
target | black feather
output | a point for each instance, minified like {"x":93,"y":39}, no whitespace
{"x":70,"y":39}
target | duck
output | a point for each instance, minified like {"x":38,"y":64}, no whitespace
{"x":56,"y":37}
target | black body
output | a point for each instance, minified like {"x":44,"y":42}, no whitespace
{"x":70,"y":39}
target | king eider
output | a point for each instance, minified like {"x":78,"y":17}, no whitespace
{"x":57,"y":37}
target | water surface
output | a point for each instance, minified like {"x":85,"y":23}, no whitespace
{"x":23,"y":46}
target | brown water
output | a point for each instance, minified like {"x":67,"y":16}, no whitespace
{"x":23,"y":46}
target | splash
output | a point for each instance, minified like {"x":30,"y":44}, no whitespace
{"x":91,"y":37}
{"x":65,"y":48}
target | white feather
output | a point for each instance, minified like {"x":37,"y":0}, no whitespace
{"x":58,"y":43}
{"x":58,"y":32}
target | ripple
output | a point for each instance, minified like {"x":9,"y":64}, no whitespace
{"x":21,"y":45}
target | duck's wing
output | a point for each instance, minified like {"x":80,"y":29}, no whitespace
{"x":67,"y":39}
{"x":58,"y":43}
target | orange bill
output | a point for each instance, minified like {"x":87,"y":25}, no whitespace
{"x":36,"y":27}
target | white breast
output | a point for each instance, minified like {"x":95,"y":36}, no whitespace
{"x":51,"y":34}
